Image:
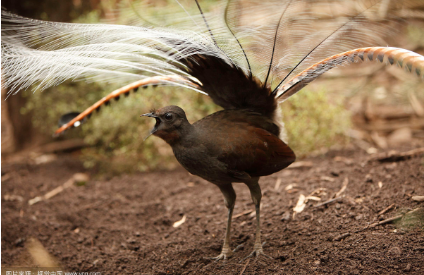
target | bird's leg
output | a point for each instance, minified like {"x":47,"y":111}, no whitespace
{"x":230,"y":199}
{"x":256,"y":194}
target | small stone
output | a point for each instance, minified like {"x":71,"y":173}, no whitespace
{"x":317,"y":262}
{"x":286,"y":216}
{"x":368,"y":178}
{"x":359,"y":217}
{"x":408,"y":267}
{"x":20,"y":242}
{"x":131,"y":240}
{"x":338,"y":206}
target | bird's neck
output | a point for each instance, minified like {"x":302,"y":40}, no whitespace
{"x":182,"y":136}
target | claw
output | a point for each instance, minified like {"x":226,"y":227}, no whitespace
{"x":221,"y":256}
{"x":257,"y":251}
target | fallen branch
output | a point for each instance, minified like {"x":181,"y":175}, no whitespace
{"x":60,"y":146}
{"x":78,"y":177}
{"x":243,"y":213}
{"x":244,"y":268}
{"x":329,"y":201}
{"x":388,"y":220}
{"x":386,"y":209}
{"x":397,"y":156}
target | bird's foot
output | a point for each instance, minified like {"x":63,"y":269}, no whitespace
{"x":226,"y":253}
{"x":257,"y":251}
{"x":222,"y":256}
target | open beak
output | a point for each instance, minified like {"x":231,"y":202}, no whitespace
{"x":156,"y":125}
{"x":150,"y":115}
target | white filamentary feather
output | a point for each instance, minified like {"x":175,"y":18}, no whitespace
{"x":48,"y":53}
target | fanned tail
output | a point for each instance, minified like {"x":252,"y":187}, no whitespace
{"x":156,"y":80}
{"x":411,"y":61}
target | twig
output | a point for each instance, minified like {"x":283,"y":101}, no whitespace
{"x":243,"y":213}
{"x":301,"y":164}
{"x":244,"y":268}
{"x":329,"y":201}
{"x":397,"y":156}
{"x":385,"y":209}
{"x":78,"y":177}
{"x":388,"y":220}
{"x":344,"y":186}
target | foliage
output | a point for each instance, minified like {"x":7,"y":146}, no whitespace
{"x":313,"y":121}
{"x":116,"y":134}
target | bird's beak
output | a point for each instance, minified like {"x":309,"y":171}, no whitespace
{"x":150,"y":115}
{"x":156,"y":125}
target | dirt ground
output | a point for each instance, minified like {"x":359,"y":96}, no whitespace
{"x":124,"y":224}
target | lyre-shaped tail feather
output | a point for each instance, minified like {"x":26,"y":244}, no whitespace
{"x":156,"y":80}
{"x":409,"y":60}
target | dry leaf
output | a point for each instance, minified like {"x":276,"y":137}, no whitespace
{"x":417,"y":198}
{"x":344,"y":186}
{"x":301,"y":203}
{"x":290,"y":186}
{"x":313,"y":198}
{"x":180,"y":222}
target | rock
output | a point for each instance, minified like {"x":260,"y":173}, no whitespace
{"x":286,"y":216}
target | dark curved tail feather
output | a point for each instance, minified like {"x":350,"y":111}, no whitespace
{"x":229,"y":86}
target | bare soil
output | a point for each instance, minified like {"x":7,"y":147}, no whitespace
{"x":124,"y":224}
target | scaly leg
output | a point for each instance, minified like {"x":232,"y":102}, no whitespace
{"x":230,"y":199}
{"x":255,"y":192}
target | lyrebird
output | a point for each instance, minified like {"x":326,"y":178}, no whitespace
{"x":238,"y":144}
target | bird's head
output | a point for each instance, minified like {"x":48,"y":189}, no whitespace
{"x":171,"y":123}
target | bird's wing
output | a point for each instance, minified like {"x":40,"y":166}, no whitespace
{"x":410,"y":61}
{"x":254,"y":151}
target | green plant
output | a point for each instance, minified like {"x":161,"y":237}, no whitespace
{"x":313,"y":121}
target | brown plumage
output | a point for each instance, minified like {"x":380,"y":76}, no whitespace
{"x":237,"y":144}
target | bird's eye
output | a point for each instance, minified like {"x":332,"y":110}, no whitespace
{"x":168,"y":116}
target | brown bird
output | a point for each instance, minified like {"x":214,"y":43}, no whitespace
{"x":238,"y":144}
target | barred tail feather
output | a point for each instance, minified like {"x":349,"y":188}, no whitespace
{"x":156,"y":80}
{"x":408,"y":60}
